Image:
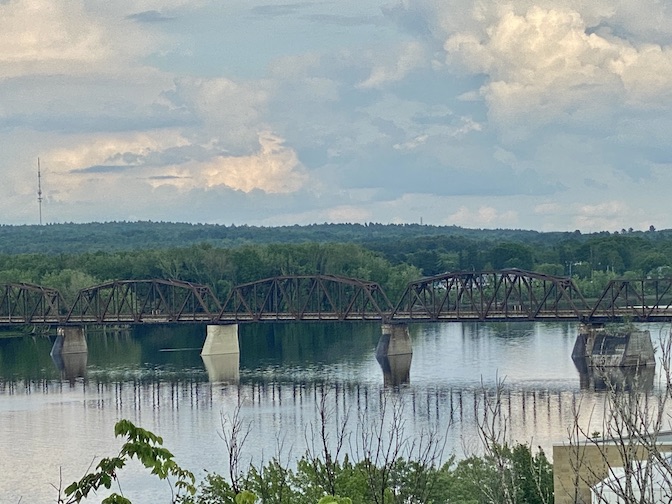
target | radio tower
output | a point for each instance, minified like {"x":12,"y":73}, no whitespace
{"x":39,"y":188}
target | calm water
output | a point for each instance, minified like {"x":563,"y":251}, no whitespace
{"x":56,"y":418}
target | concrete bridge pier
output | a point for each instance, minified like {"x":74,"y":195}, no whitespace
{"x":597,"y":346}
{"x":221,"y":353}
{"x":394,"y":353}
{"x":70,"y":352}
{"x":70,"y":340}
{"x":394,"y":340}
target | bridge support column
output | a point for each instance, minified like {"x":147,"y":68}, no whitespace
{"x":394,"y":340}
{"x":221,"y":339}
{"x":596,"y":346}
{"x":394,"y":353}
{"x":221,"y":353}
{"x":70,"y":340}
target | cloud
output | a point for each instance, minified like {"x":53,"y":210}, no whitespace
{"x":609,"y":215}
{"x":101,"y":169}
{"x":273,"y":169}
{"x":409,"y":56}
{"x":44,"y":36}
{"x":346,"y":21}
{"x":231,"y":113}
{"x":544,"y":62}
{"x":279,"y":10}
{"x":150,"y":16}
{"x":163,"y":159}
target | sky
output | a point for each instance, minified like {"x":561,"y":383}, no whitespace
{"x":546,"y":115}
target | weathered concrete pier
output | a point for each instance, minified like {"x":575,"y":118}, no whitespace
{"x":70,"y":340}
{"x":221,"y":353}
{"x":620,"y":347}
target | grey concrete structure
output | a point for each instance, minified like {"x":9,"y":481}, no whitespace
{"x":394,"y":340}
{"x":221,"y":340}
{"x":613,"y":347}
{"x":70,"y":340}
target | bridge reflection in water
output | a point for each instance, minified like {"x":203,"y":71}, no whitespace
{"x":155,"y":377}
{"x":543,"y":415}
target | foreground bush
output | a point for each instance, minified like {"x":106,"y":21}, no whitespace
{"x":524,"y":477}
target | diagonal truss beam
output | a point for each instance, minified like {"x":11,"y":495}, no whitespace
{"x":144,"y":301}
{"x":25,"y":303}
{"x":308,"y":298}
{"x":491,"y":295}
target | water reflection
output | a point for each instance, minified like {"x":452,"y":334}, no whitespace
{"x":72,"y":366}
{"x":607,"y":378}
{"x":396,"y":369}
{"x":222,"y":368}
{"x":57,"y":414}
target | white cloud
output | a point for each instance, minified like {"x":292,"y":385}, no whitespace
{"x":55,"y":37}
{"x":410,"y":55}
{"x":347,"y":213}
{"x":609,"y":215}
{"x":81,"y":172}
{"x":545,"y":61}
{"x":229,"y":111}
{"x":549,"y":208}
{"x":274,"y":169}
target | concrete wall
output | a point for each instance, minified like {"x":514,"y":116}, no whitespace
{"x":577,"y":468}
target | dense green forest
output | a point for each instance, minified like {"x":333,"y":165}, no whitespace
{"x":73,"y":256}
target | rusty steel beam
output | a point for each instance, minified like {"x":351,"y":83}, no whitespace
{"x":144,"y":301}
{"x":304,"y":297}
{"x":638,"y":300}
{"x":25,"y":303}
{"x":506,"y":295}
{"x":511,"y":294}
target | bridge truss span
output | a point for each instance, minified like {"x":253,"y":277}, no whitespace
{"x":144,"y":301}
{"x":25,"y":303}
{"x":504,"y":295}
{"x":305,"y":298}
{"x":638,"y":300}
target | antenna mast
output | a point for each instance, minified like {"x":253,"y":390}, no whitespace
{"x":39,"y":188}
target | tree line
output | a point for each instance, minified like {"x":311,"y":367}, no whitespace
{"x":70,"y":257}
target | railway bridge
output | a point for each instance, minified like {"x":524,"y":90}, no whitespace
{"x":510,"y":295}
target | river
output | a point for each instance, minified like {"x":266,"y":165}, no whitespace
{"x":54,"y":423}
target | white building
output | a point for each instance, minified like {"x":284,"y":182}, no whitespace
{"x":651,"y":481}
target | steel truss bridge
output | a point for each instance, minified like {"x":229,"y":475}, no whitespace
{"x":506,"y":295}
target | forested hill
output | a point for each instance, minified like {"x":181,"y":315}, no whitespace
{"x":74,"y":256}
{"x":120,"y":236}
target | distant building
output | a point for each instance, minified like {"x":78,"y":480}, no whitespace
{"x":650,"y":482}
{"x":590,"y":472}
